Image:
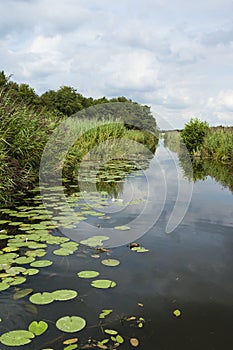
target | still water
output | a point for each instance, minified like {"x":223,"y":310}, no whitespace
{"x":188,"y":269}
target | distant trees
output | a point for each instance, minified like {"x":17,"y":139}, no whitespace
{"x":66,"y":101}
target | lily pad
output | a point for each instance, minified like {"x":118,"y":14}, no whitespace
{"x":17,"y":338}
{"x":38,"y":328}
{"x":110,"y":331}
{"x":41,"y":263}
{"x":24,"y":260}
{"x":88,"y":274}
{"x":122,"y":228}
{"x":64,"y":294}
{"x":110,"y":262}
{"x":41,"y":298}
{"x":103,"y":284}
{"x":31,"y":272}
{"x":4,"y":286}
{"x":71,"y":324}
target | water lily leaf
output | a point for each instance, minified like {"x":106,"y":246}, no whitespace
{"x":38,"y":328}
{"x":71,"y":324}
{"x":16,"y":338}
{"x":4,"y":286}
{"x":105,"y":313}
{"x":94,"y":241}
{"x":31,"y":272}
{"x":64,"y":294}
{"x":70,"y":341}
{"x":140,"y":249}
{"x":18,"y":280}
{"x":122,"y":228}
{"x":119,"y":339}
{"x":103,"y":284}
{"x":63,"y":252}
{"x":88,"y":274}
{"x":41,"y":298}
{"x":41,"y":263}
{"x":134,"y":342}
{"x":71,"y":347}
{"x":110,"y":262}
{"x":15,"y":270}
{"x":22,"y":293}
{"x":110,"y":331}
{"x":24,"y":260}
{"x":177,"y":313}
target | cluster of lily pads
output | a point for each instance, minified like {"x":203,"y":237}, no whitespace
{"x":26,"y":231}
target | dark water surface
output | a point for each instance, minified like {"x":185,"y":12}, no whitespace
{"x":189,"y":269}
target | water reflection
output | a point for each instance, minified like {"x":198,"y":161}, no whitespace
{"x":201,"y":168}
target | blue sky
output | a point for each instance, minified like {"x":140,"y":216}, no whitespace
{"x":175,"y":56}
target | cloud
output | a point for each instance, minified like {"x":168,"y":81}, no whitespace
{"x":175,"y":57}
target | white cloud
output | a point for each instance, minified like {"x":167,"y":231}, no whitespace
{"x":175,"y":56}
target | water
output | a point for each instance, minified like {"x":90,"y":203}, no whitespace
{"x":189,"y":269}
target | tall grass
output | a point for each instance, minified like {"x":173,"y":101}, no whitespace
{"x":218,"y":145}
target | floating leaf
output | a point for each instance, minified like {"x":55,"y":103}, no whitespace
{"x":88,"y":274}
{"x":4,"y":286}
{"x":71,"y":324}
{"x":177,"y":313}
{"x":122,"y":228}
{"x":70,"y":341}
{"x":24,"y":260}
{"x":31,"y":272}
{"x":38,"y":328}
{"x":134,"y":342}
{"x":103,"y":284}
{"x":22,"y":293}
{"x":64,"y":294}
{"x":119,"y":339}
{"x":16,"y":338}
{"x":41,"y":298}
{"x":105,"y":313}
{"x":71,"y":347}
{"x":41,"y":263}
{"x":140,"y":249}
{"x":110,"y":331}
{"x":110,"y":262}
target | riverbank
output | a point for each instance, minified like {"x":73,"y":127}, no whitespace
{"x":26,"y":128}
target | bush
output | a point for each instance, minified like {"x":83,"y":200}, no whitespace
{"x":194,"y":134}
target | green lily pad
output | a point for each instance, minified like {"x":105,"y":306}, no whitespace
{"x":41,"y":298}
{"x":4,"y":286}
{"x":63,"y":252}
{"x":110,"y":262}
{"x":140,"y":249}
{"x":71,"y":324}
{"x":103,"y":284}
{"x":94,"y":241}
{"x":110,"y":331}
{"x":64,"y":294}
{"x":38,"y":328}
{"x":16,"y":338}
{"x":24,"y":260}
{"x":88,"y":274}
{"x":31,"y":272}
{"x":105,"y":313}
{"x":18,"y":280}
{"x":41,"y":263}
{"x":122,"y":228}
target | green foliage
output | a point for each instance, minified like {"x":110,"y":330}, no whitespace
{"x":194,"y":133}
{"x":218,"y":144}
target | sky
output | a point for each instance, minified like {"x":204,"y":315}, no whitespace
{"x":173,"y":55}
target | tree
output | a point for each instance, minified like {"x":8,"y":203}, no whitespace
{"x":194,"y":133}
